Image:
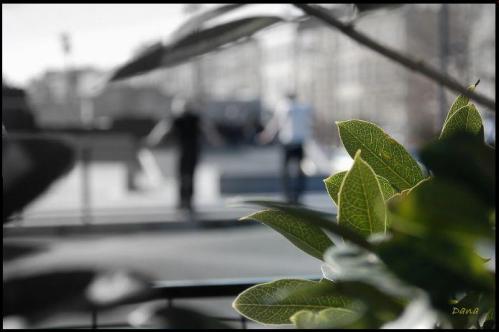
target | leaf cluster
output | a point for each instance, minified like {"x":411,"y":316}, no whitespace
{"x":406,"y":243}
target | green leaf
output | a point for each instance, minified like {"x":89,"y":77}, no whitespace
{"x":274,"y":302}
{"x":440,"y":266}
{"x":440,"y":208}
{"x":325,"y":319}
{"x":385,"y":155}
{"x":460,"y":101}
{"x":323,"y":220}
{"x":309,"y":238}
{"x":333,"y":184}
{"x":361,"y":203}
{"x":386,"y":188}
{"x":466,"y":119}
{"x":371,"y":306}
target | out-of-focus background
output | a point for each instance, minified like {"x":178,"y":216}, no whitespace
{"x":56,"y":62}
{"x":62,"y":54}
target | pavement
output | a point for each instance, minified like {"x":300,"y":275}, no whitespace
{"x":142,"y":231}
{"x":109,"y":201}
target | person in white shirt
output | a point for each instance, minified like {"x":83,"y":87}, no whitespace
{"x":292,"y":121}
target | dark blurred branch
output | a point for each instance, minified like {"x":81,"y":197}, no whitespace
{"x":415,"y":65}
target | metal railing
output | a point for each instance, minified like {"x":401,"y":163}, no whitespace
{"x":176,"y":290}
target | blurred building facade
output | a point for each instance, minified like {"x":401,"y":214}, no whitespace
{"x":58,"y":96}
{"x":338,"y":77}
{"x":131,"y":101}
{"x":72,"y":98}
{"x":345,"y":80}
{"x":482,"y":59}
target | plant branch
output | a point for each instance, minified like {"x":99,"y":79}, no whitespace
{"x":415,"y":65}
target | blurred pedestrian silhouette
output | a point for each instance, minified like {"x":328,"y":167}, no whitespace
{"x":187,"y":129}
{"x":292,"y":123}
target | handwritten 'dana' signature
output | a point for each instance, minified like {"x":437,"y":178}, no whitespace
{"x":465,"y":311}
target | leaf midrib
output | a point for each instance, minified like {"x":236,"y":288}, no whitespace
{"x":367,"y":205}
{"x":466,"y":121}
{"x":377,"y":157}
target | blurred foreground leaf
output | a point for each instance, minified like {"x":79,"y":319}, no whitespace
{"x":440,"y":207}
{"x":418,"y":314}
{"x":440,"y":266}
{"x":40,"y":295}
{"x":475,"y":305}
{"x":349,"y":263}
{"x":464,"y":160}
{"x":195,"y":43}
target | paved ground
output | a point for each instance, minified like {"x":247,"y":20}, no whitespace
{"x":231,"y":252}
{"x":111,"y":202}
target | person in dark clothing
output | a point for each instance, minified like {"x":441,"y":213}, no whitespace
{"x":293,"y":180}
{"x":187,"y":129}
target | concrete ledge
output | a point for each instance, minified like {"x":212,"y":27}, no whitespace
{"x":121,"y":228}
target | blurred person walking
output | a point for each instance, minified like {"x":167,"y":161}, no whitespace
{"x":187,"y":129}
{"x":292,"y":123}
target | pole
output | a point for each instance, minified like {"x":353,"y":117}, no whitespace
{"x":86,"y":214}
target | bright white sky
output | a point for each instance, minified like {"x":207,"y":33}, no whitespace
{"x":103,"y":35}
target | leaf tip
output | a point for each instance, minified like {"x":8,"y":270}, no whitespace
{"x":326,"y":180}
{"x":245,"y":218}
{"x":339,"y":123}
